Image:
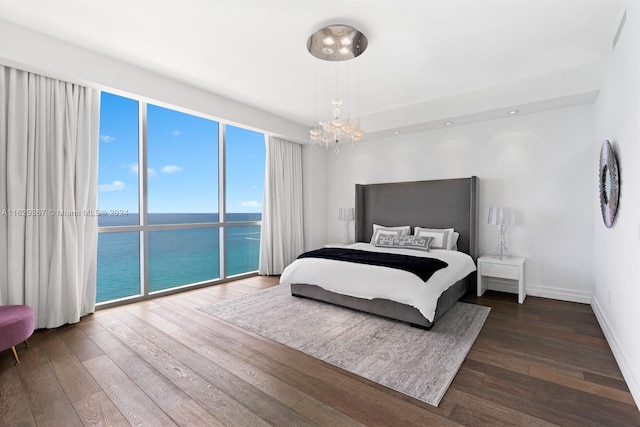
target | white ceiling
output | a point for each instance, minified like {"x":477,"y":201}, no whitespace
{"x":254,"y":51}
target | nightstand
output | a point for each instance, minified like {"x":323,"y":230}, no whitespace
{"x":507,"y":268}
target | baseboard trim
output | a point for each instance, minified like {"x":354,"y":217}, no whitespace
{"x":630,"y":375}
{"x":562,"y":294}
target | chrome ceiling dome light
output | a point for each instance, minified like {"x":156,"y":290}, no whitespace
{"x":336,"y":43}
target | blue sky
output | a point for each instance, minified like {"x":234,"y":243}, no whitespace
{"x":182,"y":161}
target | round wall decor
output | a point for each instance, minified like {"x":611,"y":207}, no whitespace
{"x":609,"y":184}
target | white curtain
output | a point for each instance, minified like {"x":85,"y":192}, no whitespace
{"x":48,"y":186}
{"x":282,"y":238}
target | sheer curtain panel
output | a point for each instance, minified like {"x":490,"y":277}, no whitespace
{"x":48,"y":196}
{"x":282,"y":238}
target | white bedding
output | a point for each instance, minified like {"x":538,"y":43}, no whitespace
{"x":370,"y":281}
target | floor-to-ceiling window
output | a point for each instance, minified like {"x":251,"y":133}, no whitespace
{"x":180,"y":199}
{"x":244,"y":172}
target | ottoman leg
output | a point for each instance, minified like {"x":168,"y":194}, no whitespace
{"x":15,"y":354}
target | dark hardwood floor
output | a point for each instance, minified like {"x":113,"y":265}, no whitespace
{"x":163,"y":362}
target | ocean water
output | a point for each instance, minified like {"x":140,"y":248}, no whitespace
{"x":176,"y":257}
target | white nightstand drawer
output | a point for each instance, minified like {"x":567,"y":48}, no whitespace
{"x":509,"y":268}
{"x":500,"y":270}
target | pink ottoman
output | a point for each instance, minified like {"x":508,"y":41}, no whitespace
{"x":16,"y":325}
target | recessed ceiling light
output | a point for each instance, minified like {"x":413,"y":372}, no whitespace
{"x":513,"y":112}
{"x":396,"y":132}
{"x":448,"y":123}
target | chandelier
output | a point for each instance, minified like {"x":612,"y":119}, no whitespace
{"x":335,"y":130}
{"x":336,"y":43}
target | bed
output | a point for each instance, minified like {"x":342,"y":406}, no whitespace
{"x":436,"y":204}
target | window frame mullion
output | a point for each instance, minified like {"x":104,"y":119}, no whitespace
{"x":222,"y":191}
{"x":143,"y":197}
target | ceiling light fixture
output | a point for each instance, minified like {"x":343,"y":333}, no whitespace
{"x":447,"y":123}
{"x":336,"y":43}
{"x":513,"y":112}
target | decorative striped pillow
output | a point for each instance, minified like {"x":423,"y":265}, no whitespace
{"x":394,"y":231}
{"x":441,"y":236}
{"x":407,"y":242}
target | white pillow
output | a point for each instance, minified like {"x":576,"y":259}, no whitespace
{"x":405,"y":230}
{"x":454,"y":243}
{"x":443,"y":238}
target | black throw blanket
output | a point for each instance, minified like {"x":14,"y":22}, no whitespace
{"x":420,"y":266}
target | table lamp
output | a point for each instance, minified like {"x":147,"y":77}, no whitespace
{"x":502,"y":217}
{"x":347,"y":215}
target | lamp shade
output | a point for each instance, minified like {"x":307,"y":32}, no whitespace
{"x":346,"y":214}
{"x":502,"y":216}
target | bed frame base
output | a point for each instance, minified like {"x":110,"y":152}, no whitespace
{"x":385,"y":307}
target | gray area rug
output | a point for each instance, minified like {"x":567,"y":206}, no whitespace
{"x":413,"y":361}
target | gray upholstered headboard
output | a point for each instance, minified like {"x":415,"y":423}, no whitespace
{"x":441,"y":203}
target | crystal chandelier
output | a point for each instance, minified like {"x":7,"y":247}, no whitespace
{"x":336,"y":43}
{"x":336,"y":130}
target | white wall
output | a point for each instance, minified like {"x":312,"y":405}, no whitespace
{"x":541,"y":164}
{"x":616,"y":251}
